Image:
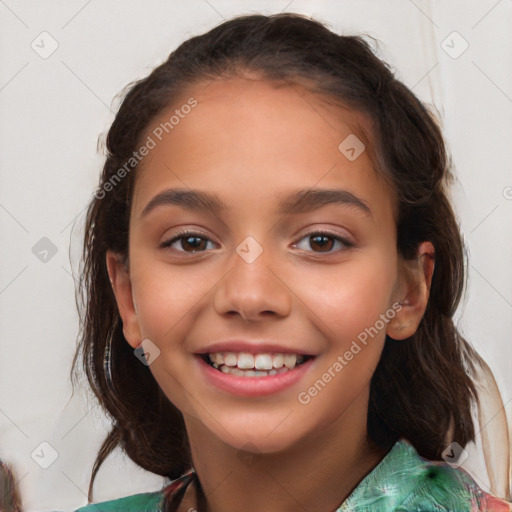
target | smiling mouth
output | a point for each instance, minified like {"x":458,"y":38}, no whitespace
{"x":245,"y":364}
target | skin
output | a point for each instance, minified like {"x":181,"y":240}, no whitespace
{"x":251,"y":143}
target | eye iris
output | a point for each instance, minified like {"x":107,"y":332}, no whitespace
{"x":192,"y":241}
{"x":320,"y":240}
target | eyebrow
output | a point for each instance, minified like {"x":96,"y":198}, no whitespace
{"x":302,"y":201}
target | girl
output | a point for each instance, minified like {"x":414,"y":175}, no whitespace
{"x":272,"y":265}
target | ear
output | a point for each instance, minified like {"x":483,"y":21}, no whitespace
{"x":120,"y":280}
{"x":414,"y":293}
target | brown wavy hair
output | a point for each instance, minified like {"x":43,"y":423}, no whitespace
{"x":10,"y":498}
{"x":422,"y":388}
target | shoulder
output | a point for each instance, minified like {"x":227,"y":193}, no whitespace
{"x":405,"y":481}
{"x":145,"y":502}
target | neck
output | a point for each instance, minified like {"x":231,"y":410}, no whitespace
{"x":318,"y":473}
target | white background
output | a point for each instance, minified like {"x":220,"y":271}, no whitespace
{"x":53,"y":110}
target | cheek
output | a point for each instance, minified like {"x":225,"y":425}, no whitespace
{"x":165,"y":296}
{"x":350,"y":297}
{"x":345,"y":297}
{"x":347,"y":306}
{"x":166,"y":307}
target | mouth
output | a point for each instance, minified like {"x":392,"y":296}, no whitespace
{"x":246,"y":364}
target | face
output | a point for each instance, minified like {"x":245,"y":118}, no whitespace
{"x":300,"y":289}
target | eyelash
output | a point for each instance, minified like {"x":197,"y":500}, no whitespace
{"x":193,"y":234}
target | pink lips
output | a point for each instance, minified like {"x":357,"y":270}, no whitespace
{"x":252,"y":386}
{"x":251,"y":347}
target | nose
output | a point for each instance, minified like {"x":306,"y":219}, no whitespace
{"x":253,"y":289}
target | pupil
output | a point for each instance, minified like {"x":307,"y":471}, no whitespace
{"x":320,"y":240}
{"x":190,"y":241}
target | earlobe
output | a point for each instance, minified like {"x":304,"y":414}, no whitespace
{"x":414,"y":294}
{"x":121,"y":285}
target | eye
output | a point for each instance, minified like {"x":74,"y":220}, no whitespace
{"x":324,"y":241}
{"x":194,"y":242}
{"x":190,"y":241}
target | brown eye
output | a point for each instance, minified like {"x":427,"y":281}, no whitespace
{"x":324,"y":242}
{"x":194,"y":242}
{"x":187,"y":242}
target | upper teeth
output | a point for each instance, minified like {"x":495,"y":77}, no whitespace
{"x":247,"y":361}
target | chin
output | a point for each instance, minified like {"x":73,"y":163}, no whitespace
{"x":258,"y":439}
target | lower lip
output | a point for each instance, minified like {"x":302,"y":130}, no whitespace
{"x":254,"y":386}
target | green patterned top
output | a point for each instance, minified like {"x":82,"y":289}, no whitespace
{"x":401,"y":482}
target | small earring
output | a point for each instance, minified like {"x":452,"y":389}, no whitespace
{"x":107,"y":364}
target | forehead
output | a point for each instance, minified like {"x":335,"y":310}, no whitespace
{"x":246,"y":104}
{"x":268,"y":136}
